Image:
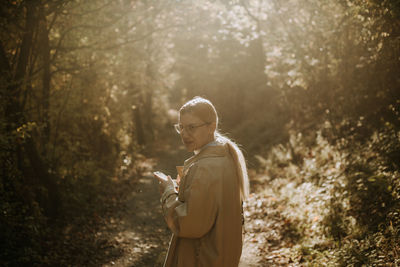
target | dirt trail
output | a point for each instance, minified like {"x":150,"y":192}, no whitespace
{"x":138,"y":230}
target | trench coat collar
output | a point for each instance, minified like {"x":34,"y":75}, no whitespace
{"x":218,"y":150}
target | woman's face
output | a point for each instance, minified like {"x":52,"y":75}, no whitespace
{"x":195,"y":133}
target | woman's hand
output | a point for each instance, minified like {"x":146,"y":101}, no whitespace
{"x":164,"y":184}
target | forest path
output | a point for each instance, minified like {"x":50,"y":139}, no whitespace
{"x":140,"y":230}
{"x":137,"y":228}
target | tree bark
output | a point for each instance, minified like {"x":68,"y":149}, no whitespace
{"x":45,"y":53}
{"x":15,"y":115}
{"x":13,"y":108}
{"x":140,"y":137}
{"x":148,"y":111}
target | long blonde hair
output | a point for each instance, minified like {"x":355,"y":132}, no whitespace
{"x":205,"y":110}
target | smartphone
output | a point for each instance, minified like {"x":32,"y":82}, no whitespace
{"x":161,"y":175}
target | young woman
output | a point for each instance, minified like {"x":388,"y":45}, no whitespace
{"x":205,"y":214}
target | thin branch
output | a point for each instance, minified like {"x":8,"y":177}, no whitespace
{"x":53,"y":160}
{"x":52,"y":22}
{"x":66,"y":32}
{"x":248,"y":12}
{"x":143,"y":37}
{"x":95,"y":10}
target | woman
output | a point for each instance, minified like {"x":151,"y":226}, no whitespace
{"x":205,"y":215}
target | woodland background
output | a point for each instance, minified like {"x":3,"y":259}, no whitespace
{"x":309,"y":88}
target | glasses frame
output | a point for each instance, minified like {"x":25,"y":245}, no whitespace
{"x":189,"y":128}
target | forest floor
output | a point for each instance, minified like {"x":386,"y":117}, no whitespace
{"x":133,"y":233}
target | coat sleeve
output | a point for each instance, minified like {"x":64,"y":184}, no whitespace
{"x":195,"y":216}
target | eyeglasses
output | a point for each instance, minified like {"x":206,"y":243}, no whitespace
{"x":189,"y":128}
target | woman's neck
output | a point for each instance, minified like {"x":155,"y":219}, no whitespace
{"x":211,"y":143}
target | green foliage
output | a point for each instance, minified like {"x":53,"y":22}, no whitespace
{"x":374,"y":201}
{"x":370,"y":199}
{"x":334,"y":221}
{"x":347,"y":192}
{"x":21,"y":218}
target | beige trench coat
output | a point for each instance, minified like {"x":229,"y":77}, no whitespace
{"x":206,"y":215}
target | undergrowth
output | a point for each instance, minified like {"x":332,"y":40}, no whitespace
{"x":342,"y":195}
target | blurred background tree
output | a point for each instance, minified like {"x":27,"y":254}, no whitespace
{"x":89,"y":84}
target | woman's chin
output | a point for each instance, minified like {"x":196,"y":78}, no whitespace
{"x":190,"y":147}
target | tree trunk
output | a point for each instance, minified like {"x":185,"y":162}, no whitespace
{"x":45,"y":52}
{"x":140,"y":137}
{"x":13,"y":108}
{"x":15,"y":115}
{"x":148,"y":111}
